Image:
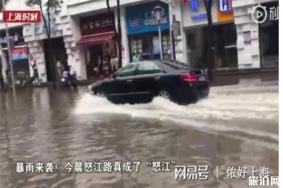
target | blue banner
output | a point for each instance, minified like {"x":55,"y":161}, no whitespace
{"x":142,"y":19}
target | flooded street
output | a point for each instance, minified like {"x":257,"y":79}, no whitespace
{"x":235,"y":126}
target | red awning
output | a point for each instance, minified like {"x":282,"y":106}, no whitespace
{"x":100,"y":38}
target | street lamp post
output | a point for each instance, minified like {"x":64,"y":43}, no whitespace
{"x":9,"y":52}
{"x":158,"y":15}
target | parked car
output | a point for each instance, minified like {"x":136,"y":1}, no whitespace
{"x":142,"y":81}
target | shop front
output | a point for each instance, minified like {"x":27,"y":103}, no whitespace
{"x":19,"y":53}
{"x":144,"y":29}
{"x":269,"y":37}
{"x":224,"y":31}
{"x":21,"y":64}
{"x":98,"y":43}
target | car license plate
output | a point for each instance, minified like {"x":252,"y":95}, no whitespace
{"x":201,"y":78}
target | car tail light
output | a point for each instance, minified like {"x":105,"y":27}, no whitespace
{"x":189,"y":77}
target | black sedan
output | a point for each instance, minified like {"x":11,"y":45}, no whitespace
{"x":142,"y":81}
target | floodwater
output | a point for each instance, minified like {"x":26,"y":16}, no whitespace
{"x":235,"y":126}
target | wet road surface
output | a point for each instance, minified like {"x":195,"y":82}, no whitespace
{"x":234,"y":126}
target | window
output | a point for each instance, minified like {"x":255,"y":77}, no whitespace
{"x":166,"y":44}
{"x":136,"y":46}
{"x":268,"y":39}
{"x":128,"y":70}
{"x":148,"y":68}
{"x":227,"y":56}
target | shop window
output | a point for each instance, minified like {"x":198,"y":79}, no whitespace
{"x":147,"y":46}
{"x":136,"y":46}
{"x":166,"y":44}
{"x":191,"y":41}
{"x":114,"y":49}
{"x":226,"y":38}
{"x":156,"y":45}
{"x":247,"y":37}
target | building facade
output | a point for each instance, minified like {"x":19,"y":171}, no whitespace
{"x":83,"y":35}
{"x":93,"y":30}
{"x":257,"y":43}
{"x":242,"y":42}
{"x":19,"y":53}
{"x":192,"y":17}
{"x":143,"y":31}
{"x":36,"y":38}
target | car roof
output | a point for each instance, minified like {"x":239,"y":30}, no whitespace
{"x":174,"y":66}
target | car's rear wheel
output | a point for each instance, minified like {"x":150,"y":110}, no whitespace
{"x":164,"y":94}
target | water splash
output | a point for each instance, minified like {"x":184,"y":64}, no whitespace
{"x":223,"y":105}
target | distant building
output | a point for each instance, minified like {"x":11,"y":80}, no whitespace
{"x":258,"y":43}
{"x":36,"y":39}
{"x":19,"y":50}
{"x":192,"y":39}
{"x":93,"y":27}
{"x":241,"y":43}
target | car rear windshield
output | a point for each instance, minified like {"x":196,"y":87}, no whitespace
{"x":181,"y":67}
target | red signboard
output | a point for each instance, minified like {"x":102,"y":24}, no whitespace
{"x":100,"y":23}
{"x":15,"y":16}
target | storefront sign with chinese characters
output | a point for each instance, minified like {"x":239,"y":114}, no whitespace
{"x":142,"y":18}
{"x":97,"y":24}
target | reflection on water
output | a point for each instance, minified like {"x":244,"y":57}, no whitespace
{"x":59,"y":125}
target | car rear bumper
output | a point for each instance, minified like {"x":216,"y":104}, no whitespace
{"x":202,"y":90}
{"x":188,"y":93}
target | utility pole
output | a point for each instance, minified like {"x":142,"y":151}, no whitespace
{"x":160,"y":41}
{"x":119,"y":34}
{"x":158,"y":16}
{"x":211,"y":42}
{"x":9,"y":52}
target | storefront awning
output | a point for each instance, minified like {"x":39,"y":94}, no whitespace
{"x":100,"y":38}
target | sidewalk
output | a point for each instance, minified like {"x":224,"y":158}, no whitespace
{"x":238,"y":76}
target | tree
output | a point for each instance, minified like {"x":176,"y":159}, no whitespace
{"x":118,"y":35}
{"x":48,"y":7}
{"x":1,"y":4}
{"x":210,"y":58}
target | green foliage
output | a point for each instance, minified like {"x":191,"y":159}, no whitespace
{"x":52,"y":4}
{"x":47,"y":7}
{"x":49,"y":4}
{"x":1,"y":5}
